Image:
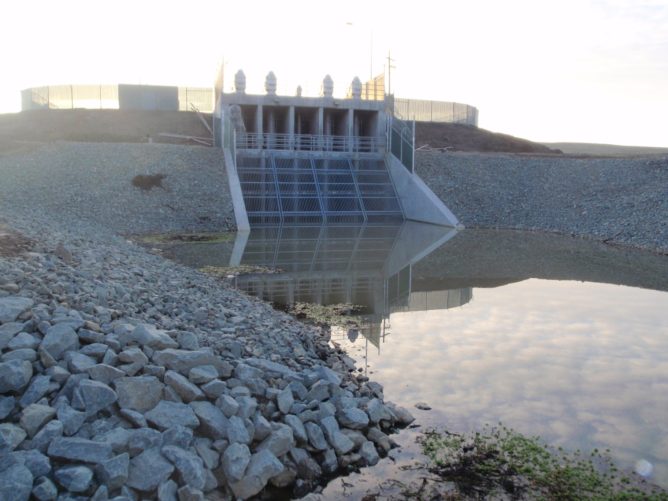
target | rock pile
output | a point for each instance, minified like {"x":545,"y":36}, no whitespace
{"x":95,"y":406}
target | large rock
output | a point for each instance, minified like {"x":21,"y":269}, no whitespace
{"x":341,"y":443}
{"x":316,"y":437}
{"x":39,"y":386}
{"x":114,"y":472}
{"x":183,"y":387}
{"x":213,"y":422}
{"x":369,"y":453}
{"x":59,"y":339}
{"x":96,"y":395}
{"x":237,"y":432}
{"x":8,"y":331}
{"x":183,"y":360}
{"x":72,"y":419}
{"x":74,"y":478}
{"x":148,"y":470}
{"x":44,"y":490}
{"x":52,"y":429}
{"x":297,"y":426}
{"x":149,"y":335}
{"x":7,"y":405}
{"x":272,"y":368}
{"x":11,"y":307}
{"x":261,"y":468}
{"x":167,"y":414}
{"x":14,"y":375}
{"x":280,"y":441}
{"x":284,"y":400}
{"x":15,"y":483}
{"x":10,"y":436}
{"x":79,"y":449}
{"x":404,"y":417}
{"x":140,"y":393}
{"x":377,"y":411}
{"x":235,"y":460}
{"x":354,"y":418}
{"x":189,"y":466}
{"x":35,"y":416}
{"x":104,"y":373}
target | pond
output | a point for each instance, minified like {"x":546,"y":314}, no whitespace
{"x":562,"y":338}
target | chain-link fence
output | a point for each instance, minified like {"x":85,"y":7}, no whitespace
{"x":435,"y":111}
{"x":114,"y":97}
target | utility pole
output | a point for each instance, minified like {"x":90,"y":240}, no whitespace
{"x":390,"y":67}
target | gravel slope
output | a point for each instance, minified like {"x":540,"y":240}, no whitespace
{"x":616,"y":200}
{"x":93,"y":182}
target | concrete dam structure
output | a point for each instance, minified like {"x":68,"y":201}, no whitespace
{"x":320,"y":160}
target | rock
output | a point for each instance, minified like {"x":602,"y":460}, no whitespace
{"x":307,"y":467}
{"x":8,"y":331}
{"x":142,"y":439}
{"x":247,"y":406}
{"x":261,"y":468}
{"x":213,"y":422}
{"x":329,"y":462}
{"x":14,"y":375}
{"x":15,"y":483}
{"x":357,"y":437}
{"x":10,"y":436}
{"x":354,"y":418}
{"x":214,"y":388}
{"x":96,"y":396}
{"x":38,"y":464}
{"x":140,"y":393}
{"x":237,"y":432}
{"x":319,"y":391}
{"x":104,"y":373}
{"x":369,"y":453}
{"x":137,"y":419}
{"x":149,"y":335}
{"x":235,"y":460}
{"x":187,"y":493}
{"x":272,"y":369}
{"x":279,"y":442}
{"x":44,"y":490}
{"x":79,"y":449}
{"x":6,"y":406}
{"x":78,"y":362}
{"x":59,"y":339}
{"x":52,"y":429}
{"x":228,"y":405}
{"x":94,"y":350}
{"x":184,"y":388}
{"x":182,"y":360}
{"x":285,"y":400}
{"x":188,"y":341}
{"x":262,"y":427}
{"x":168,"y":414}
{"x":148,"y":470}
{"x":404,"y":417}
{"x":210,"y":457}
{"x":341,"y":443}
{"x":72,"y":419}
{"x":39,"y":386}
{"x":328,"y":375}
{"x":380,"y":439}
{"x":189,"y":466}
{"x":423,"y":406}
{"x":35,"y":416}
{"x":167,"y":491}
{"x":74,"y":478}
{"x":23,"y":340}
{"x":377,"y":411}
{"x":26,"y":354}
{"x":298,"y":429}
{"x":11,"y":307}
{"x":114,"y":472}
{"x":179,"y":436}
{"x":316,"y":437}
{"x":202,"y":374}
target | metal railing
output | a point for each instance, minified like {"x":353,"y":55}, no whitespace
{"x":401,"y":136}
{"x":308,"y":142}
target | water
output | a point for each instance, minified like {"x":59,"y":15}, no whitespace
{"x":556,"y":337}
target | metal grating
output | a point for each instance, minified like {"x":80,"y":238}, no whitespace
{"x":284,"y":189}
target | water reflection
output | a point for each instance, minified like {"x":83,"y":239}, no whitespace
{"x":563,"y":338}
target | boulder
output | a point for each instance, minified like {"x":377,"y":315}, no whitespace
{"x":235,"y":460}
{"x":79,"y":449}
{"x":213,"y":422}
{"x":74,"y":478}
{"x":167,"y":414}
{"x":14,"y":375}
{"x":262,"y":466}
{"x":35,"y":416}
{"x":148,"y":470}
{"x":114,"y":472}
{"x":15,"y":483}
{"x":183,"y":387}
{"x":59,"y":339}
{"x":189,"y":466}
{"x":140,"y":393}
{"x":11,"y":307}
{"x":96,"y":396}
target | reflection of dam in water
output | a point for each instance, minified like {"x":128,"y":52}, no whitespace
{"x":368,"y":265}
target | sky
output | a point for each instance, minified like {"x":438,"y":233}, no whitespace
{"x":572,"y":70}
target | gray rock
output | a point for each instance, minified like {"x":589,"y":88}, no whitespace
{"x":79,"y":449}
{"x":377,"y":411}
{"x":307,"y":467}
{"x":15,"y":483}
{"x":78,"y":362}
{"x":23,"y":340}
{"x":72,"y":419}
{"x":247,"y":406}
{"x":6,"y":406}
{"x":182,"y":360}
{"x":149,"y":335}
{"x":59,"y":339}
{"x":319,"y":391}
{"x":228,"y":405}
{"x":369,"y":453}
{"x":262,"y":427}
{"x":328,"y":375}
{"x":179,"y":436}
{"x":143,"y":439}
{"x":380,"y":439}
{"x":35,"y":416}
{"x":357,"y":437}
{"x":213,"y":422}
{"x":94,"y":350}
{"x":188,"y":341}
{"x":10,"y":436}
{"x":354,"y":418}
{"x":52,"y":429}
{"x":184,"y":388}
{"x":341,"y":443}
{"x":404,"y":417}
{"x":315,"y":436}
{"x":237,"y":432}
{"x":167,"y":491}
{"x":168,"y":414}
{"x":329,"y":462}
{"x":58,"y":374}
{"x":8,"y":331}
{"x":187,"y":493}
{"x":262,"y":466}
{"x":133,"y":355}
{"x":148,"y":470}
{"x":38,"y":387}
{"x":285,"y":400}
{"x":96,"y":396}
{"x":38,"y":464}
{"x":280,"y":441}
{"x":74,"y":478}
{"x":214,"y":388}
{"x":104,"y":373}
{"x":102,"y":494}
{"x":11,"y":307}
{"x":114,"y":472}
{"x":26,"y":354}
{"x":14,"y":375}
{"x":298,"y":429}
{"x":136,"y":418}
{"x":272,"y":368}
{"x":44,"y":490}
{"x":298,"y":389}
{"x":189,"y":466}
{"x":140,"y":393}
{"x":202,"y":374}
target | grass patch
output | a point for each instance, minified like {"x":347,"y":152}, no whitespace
{"x":175,"y":238}
{"x":327,"y":315}
{"x":500,"y":461}
{"x":244,"y":269}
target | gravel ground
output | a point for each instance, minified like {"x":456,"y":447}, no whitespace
{"x":93,"y":182}
{"x":615,"y":200}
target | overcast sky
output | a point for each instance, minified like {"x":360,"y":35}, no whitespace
{"x":572,"y":70}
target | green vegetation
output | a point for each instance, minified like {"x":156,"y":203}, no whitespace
{"x":176,"y":238}
{"x":499,"y":461}
{"x":244,"y":269}
{"x":327,"y":315}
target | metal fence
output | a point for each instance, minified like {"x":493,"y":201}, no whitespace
{"x":435,"y":111}
{"x":107,"y":97}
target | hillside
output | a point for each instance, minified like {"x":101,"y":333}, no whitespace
{"x":609,"y":150}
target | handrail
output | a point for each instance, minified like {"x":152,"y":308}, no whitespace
{"x":308,"y":142}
